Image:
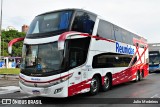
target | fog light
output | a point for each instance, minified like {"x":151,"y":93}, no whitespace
{"x":58,"y":90}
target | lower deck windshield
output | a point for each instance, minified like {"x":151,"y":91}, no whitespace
{"x":42,"y":58}
{"x":154,"y":58}
{"x":46,"y":59}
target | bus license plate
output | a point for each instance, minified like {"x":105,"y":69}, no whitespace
{"x":36,"y":92}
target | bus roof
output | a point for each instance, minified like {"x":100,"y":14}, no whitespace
{"x":76,"y":9}
{"x":72,"y":9}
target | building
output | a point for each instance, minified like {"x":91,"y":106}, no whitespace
{"x":25,"y":28}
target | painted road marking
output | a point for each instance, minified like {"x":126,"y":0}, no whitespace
{"x":156,"y":96}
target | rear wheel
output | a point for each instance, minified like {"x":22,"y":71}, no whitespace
{"x":107,"y":83}
{"x":95,"y":84}
{"x":137,"y":76}
{"x":141,"y":75}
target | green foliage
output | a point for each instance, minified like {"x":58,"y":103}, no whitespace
{"x":7,"y":36}
{"x":9,"y":71}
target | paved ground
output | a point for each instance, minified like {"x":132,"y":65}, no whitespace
{"x":4,"y":82}
{"x":8,"y":84}
{"x":147,"y":88}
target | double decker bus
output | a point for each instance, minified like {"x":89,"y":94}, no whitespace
{"x":154,"y":57}
{"x":72,"y":51}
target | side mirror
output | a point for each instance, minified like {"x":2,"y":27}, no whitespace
{"x":13,"y":42}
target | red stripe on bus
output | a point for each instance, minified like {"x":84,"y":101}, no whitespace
{"x":63,"y":36}
{"x":76,"y":88}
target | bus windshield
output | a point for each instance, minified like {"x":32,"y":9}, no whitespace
{"x":154,"y":58}
{"x":42,"y":58}
{"x":50,"y":22}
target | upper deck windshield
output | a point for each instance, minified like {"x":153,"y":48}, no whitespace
{"x":51,"y":22}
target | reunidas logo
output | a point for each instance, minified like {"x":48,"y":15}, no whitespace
{"x":124,"y":49}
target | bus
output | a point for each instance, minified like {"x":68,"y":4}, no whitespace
{"x":154,"y":57}
{"x":72,"y":51}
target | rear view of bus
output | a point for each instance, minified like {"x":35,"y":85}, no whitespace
{"x":72,"y":51}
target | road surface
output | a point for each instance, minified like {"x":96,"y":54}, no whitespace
{"x":147,"y":88}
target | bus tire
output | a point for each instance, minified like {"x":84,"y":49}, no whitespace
{"x":95,"y":84}
{"x":137,"y":76}
{"x":107,"y":83}
{"x":141,"y":75}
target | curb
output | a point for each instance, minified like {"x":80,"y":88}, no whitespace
{"x":9,"y":89}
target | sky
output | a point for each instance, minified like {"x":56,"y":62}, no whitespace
{"x":141,"y":17}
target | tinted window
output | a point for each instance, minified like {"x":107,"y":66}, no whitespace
{"x":42,"y":58}
{"x":78,"y":49}
{"x":105,"y":30}
{"x":109,"y":60}
{"x":83,"y":22}
{"x":118,"y":33}
{"x":127,"y":37}
{"x":50,"y":22}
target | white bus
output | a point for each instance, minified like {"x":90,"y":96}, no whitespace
{"x":72,"y":51}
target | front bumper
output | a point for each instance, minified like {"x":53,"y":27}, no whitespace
{"x":154,"y":69}
{"x":59,"y":90}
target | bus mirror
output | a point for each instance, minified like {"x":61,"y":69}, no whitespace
{"x":13,"y":42}
{"x":60,"y":45}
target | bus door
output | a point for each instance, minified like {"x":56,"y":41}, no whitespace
{"x":75,"y":59}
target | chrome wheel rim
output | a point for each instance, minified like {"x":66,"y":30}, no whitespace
{"x":137,"y":77}
{"x":106,"y":81}
{"x":94,"y":85}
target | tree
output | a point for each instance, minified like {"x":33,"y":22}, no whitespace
{"x":7,"y":36}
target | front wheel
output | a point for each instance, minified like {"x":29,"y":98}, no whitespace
{"x":95,"y":84}
{"x":107,"y":83}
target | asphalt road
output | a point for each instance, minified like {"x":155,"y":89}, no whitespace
{"x":147,"y":88}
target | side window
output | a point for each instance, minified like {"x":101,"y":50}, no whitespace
{"x":110,"y":60}
{"x":127,"y":37}
{"x":78,"y":50}
{"x":77,"y":57}
{"x":117,"y":33}
{"x":130,"y":38}
{"x":105,"y":30}
{"x":124,"y":36}
{"x":134,"y":61}
{"x":83,"y":22}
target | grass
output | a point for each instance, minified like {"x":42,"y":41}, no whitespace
{"x":9,"y":71}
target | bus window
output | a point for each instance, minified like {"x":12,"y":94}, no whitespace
{"x":78,"y":49}
{"x":118,"y":33}
{"x":50,"y":22}
{"x":105,"y":30}
{"x":127,"y":37}
{"x":110,"y":60}
{"x":83,"y":22}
